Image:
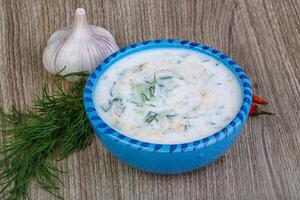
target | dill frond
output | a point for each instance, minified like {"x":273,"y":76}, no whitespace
{"x":56,"y":126}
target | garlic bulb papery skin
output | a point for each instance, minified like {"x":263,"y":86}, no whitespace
{"x":79,"y":47}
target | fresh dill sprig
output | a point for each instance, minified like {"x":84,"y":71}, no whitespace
{"x":171,"y":116}
{"x":110,"y":104}
{"x":55,"y":127}
{"x":186,"y":127}
{"x":151,"y":86}
{"x":144,"y":97}
{"x":111,"y":91}
{"x":151,"y":116}
{"x":165,"y":77}
{"x":151,"y":90}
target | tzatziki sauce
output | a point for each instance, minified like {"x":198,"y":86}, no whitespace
{"x":168,"y":96}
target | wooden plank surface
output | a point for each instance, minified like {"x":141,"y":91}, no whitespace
{"x":263,"y":36}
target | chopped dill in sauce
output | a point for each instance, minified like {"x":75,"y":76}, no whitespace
{"x":151,"y":116}
{"x":171,"y":116}
{"x":168,"y":96}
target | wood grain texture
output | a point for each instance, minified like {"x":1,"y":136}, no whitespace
{"x":263,"y":36}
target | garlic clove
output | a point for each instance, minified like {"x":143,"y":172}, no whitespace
{"x":79,"y":47}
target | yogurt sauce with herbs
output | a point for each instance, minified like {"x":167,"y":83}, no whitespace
{"x":168,"y":96}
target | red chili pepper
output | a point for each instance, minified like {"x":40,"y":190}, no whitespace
{"x":259,"y":100}
{"x":255,"y":111}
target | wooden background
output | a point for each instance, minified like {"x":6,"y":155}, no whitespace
{"x":263,"y":36}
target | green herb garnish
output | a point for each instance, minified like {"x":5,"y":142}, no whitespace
{"x":153,"y":82}
{"x":56,"y":127}
{"x":151,"y":86}
{"x":106,"y":108}
{"x":110,"y":104}
{"x":135,"y":103}
{"x":211,"y":123}
{"x":111,"y":91}
{"x":152,"y":90}
{"x":117,"y":99}
{"x":151,"y":116}
{"x":186,"y":127}
{"x":144,"y":97}
{"x":206,"y":60}
{"x":141,"y":91}
{"x":146,"y":91}
{"x":190,"y":117}
{"x":171,"y":116}
{"x":165,"y":77}
{"x":141,"y":67}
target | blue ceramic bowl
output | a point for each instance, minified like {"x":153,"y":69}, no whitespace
{"x":167,"y":158}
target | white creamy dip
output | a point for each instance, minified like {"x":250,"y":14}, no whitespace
{"x":168,"y":96}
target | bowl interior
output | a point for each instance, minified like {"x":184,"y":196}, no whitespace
{"x":102,"y":128}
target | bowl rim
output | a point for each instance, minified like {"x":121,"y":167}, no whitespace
{"x":101,"y":128}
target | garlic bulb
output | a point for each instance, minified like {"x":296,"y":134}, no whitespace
{"x":79,"y":47}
